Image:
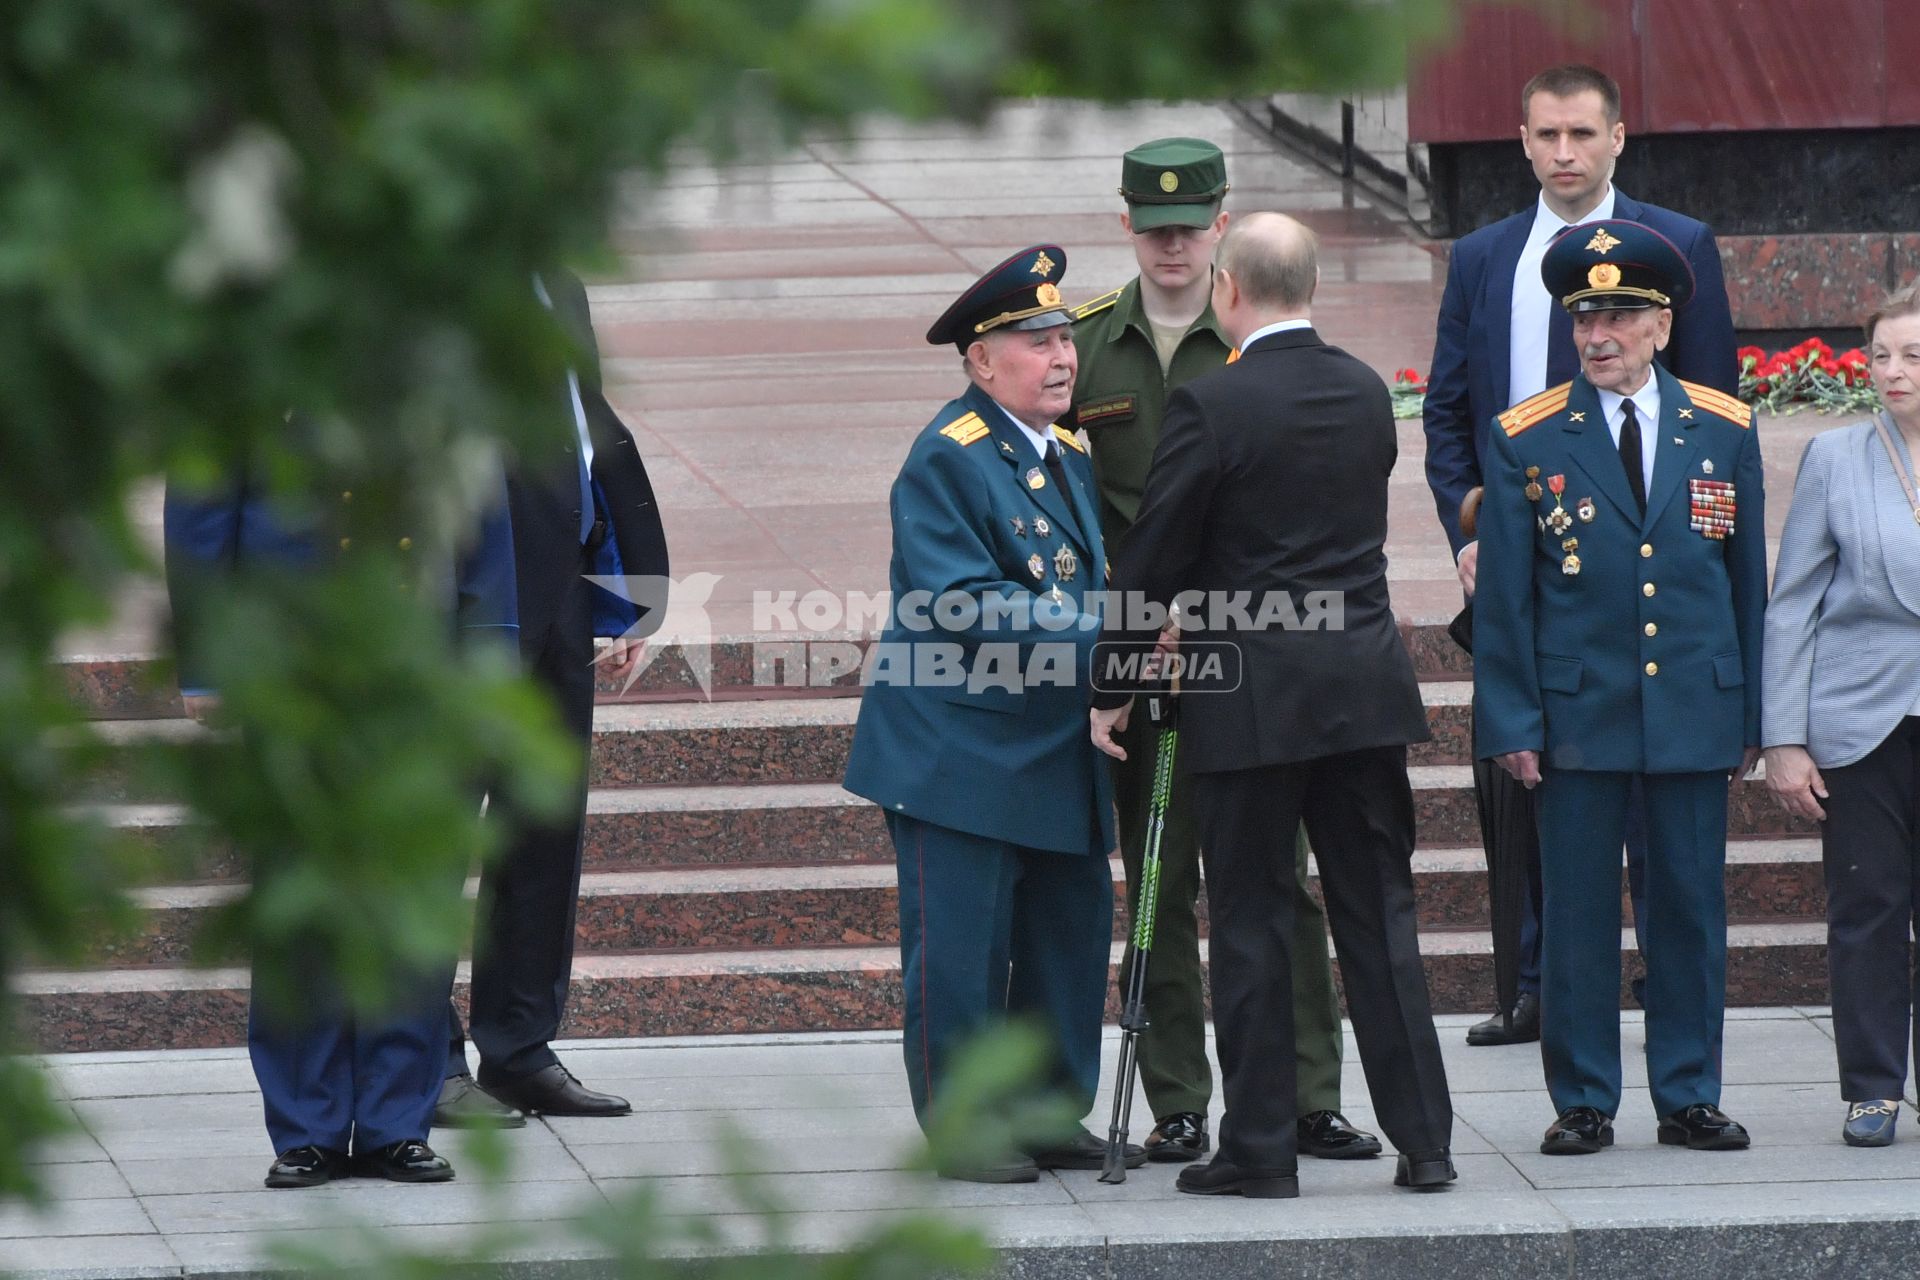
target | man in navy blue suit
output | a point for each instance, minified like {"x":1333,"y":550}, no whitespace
{"x":343,"y":1092}
{"x":1500,"y":340}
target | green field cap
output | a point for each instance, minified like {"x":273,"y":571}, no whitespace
{"x":1173,"y":182}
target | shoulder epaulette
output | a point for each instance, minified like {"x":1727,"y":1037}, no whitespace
{"x":1535,"y":409}
{"x":1719,"y":403}
{"x":1098,"y":305}
{"x":1069,"y":439}
{"x":965,"y":430}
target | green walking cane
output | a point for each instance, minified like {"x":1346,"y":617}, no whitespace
{"x":1133,"y":1013}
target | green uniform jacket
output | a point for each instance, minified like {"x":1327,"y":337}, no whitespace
{"x":1120,"y":394}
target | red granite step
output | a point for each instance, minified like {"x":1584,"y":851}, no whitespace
{"x":787,"y":740}
{"x":140,"y":686}
{"x":786,"y":824}
{"x":737,"y":992}
{"x":851,"y":904}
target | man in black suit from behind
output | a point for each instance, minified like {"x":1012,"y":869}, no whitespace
{"x":581,"y":504}
{"x":1270,"y":485}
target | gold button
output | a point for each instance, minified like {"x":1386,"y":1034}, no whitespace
{"x":406,"y":544}
{"x":1653,"y":628}
{"x":1653,"y":668}
{"x":346,"y":495}
{"x":1646,"y":549}
{"x":346,"y":543}
{"x":1647,"y":590}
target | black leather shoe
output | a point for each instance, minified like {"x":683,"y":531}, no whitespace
{"x":465,"y":1105}
{"x":1703,"y":1127}
{"x":1219,"y":1178}
{"x":1084,"y":1151}
{"x":552,"y":1091}
{"x":306,"y":1167}
{"x":1580,"y":1131}
{"x":1328,"y":1135}
{"x":1004,"y":1169}
{"x":408,"y":1160}
{"x":1178,"y":1138}
{"x":1424,"y":1170}
{"x":1522,"y":1027}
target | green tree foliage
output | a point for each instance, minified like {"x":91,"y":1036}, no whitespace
{"x":214,"y":211}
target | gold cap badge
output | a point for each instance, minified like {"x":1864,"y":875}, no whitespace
{"x":1604,"y":276}
{"x":1042,"y":265}
{"x":1602,"y":242}
{"x":1169,"y":181}
{"x":1048,"y":296}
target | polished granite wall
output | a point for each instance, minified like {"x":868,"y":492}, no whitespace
{"x":1813,"y":224}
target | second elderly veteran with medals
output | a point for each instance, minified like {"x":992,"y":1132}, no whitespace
{"x":971,"y":734}
{"x":1622,"y":587}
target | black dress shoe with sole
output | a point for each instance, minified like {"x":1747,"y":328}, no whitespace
{"x":1218,"y":1177}
{"x":1424,"y":1170}
{"x":408,"y":1160}
{"x":306,"y":1167}
{"x":1178,"y":1138}
{"x":1005,"y":1169}
{"x":1703,"y":1127}
{"x":1084,"y":1151}
{"x":1521,"y":1026}
{"x":1580,"y":1131}
{"x":552,"y":1091}
{"x":1327,"y":1134}
{"x":465,"y":1105}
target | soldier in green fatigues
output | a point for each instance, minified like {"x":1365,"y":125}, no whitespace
{"x":1136,"y":344}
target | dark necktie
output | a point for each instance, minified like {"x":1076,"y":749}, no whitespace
{"x":1563,"y":360}
{"x":1056,"y":470}
{"x":1630,"y":453}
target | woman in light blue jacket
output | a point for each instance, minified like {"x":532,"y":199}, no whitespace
{"x":1841,"y":723}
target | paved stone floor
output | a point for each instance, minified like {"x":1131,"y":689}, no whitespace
{"x":163,"y":1177}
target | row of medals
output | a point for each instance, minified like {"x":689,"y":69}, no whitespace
{"x":1065,"y":563}
{"x":1559,"y":520}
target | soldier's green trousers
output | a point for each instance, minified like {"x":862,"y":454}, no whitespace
{"x":1173,"y":1052}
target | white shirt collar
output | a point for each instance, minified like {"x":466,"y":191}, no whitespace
{"x":1041,"y":440}
{"x":1282,"y":326}
{"x":1646,"y":404}
{"x":1548,"y":224}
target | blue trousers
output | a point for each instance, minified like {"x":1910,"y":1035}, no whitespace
{"x":990,"y":930}
{"x":350,"y":1083}
{"x":1636,"y":891}
{"x":1583,"y":819}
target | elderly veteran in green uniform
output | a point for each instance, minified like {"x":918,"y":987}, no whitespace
{"x":972,"y":730}
{"x":1617,"y":635}
{"x":1136,"y":345}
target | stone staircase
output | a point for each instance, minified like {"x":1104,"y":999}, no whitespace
{"x":731,"y":886}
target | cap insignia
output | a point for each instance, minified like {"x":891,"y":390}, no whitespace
{"x":1604,"y":275}
{"x":1046,"y":295}
{"x":1169,"y":181}
{"x":1602,"y":242}
{"x":1042,"y":265}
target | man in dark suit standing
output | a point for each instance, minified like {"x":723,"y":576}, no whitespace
{"x":1500,"y":340}
{"x":581,"y":504}
{"x":1269,"y":490}
{"x":344,"y":1092}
